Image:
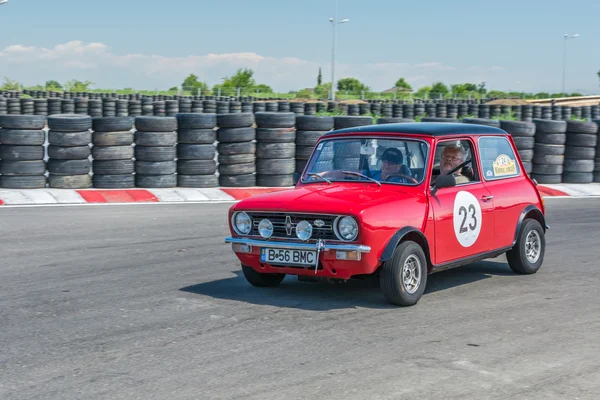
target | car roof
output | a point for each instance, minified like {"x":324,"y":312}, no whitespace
{"x":436,"y":129}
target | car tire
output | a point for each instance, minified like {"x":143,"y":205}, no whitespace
{"x":256,"y":278}
{"x":392,"y":285}
{"x":517,"y":257}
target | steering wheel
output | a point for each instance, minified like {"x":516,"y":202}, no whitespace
{"x":409,"y":178}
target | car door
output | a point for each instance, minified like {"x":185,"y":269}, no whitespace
{"x":463,"y":214}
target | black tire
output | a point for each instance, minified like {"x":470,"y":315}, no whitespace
{"x":197,"y":181}
{"x":36,"y":122}
{"x":341,"y":122}
{"x":235,"y":135}
{"x":68,"y":167}
{"x":112,"y":138}
{"x":582,"y":127}
{"x":16,"y":168}
{"x":314,"y":123}
{"x":390,"y":276}
{"x":196,"y":120}
{"x":145,"y":153}
{"x":156,"y":181}
{"x":547,"y":178}
{"x":586,"y":153}
{"x":549,"y":126}
{"x":578,"y":177}
{"x":236,"y":158}
{"x":69,"y":153}
{"x":439,"y":120}
{"x":237,"y":169}
{"x":547,"y":169}
{"x":275,"y":166}
{"x":550,"y":138}
{"x":235,"y":120}
{"x":517,"y":258}
{"x":236,"y":148}
{"x":196,"y":167}
{"x":22,"y":137}
{"x":581,"y":139}
{"x":237,"y":180}
{"x":275,"y":135}
{"x":70,"y":181}
{"x":482,"y":121}
{"x":518,"y":128}
{"x":69,"y":122}
{"x":308,"y":138}
{"x":525,"y":154}
{"x":548,"y":159}
{"x":112,"y":152}
{"x":144,"y":138}
{"x":259,"y":279}
{"x":279,"y":180}
{"x":68,"y":139}
{"x":22,"y":182}
{"x":196,"y":152}
{"x":549,"y":149}
{"x":577,"y":165}
{"x":21,"y":153}
{"x":275,"y":119}
{"x":113,"y":181}
{"x":155,"y":124}
{"x":524,"y":142}
{"x":394,"y":120}
{"x":155,"y":167}
{"x":112,"y":124}
{"x":197,"y":136}
{"x":113,"y":167}
{"x":275,"y":150}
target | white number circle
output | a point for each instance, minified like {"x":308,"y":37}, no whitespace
{"x":467,"y":218}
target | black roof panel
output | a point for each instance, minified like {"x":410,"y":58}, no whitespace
{"x":426,"y":128}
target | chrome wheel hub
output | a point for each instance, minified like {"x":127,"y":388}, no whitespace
{"x":411,"y":274}
{"x":533,"y":246}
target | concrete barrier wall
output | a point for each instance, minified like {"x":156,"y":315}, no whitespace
{"x":254,"y":148}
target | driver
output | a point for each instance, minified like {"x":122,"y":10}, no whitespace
{"x":391,"y":163}
{"x":452,"y":156}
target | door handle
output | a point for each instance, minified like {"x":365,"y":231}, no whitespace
{"x":486,"y":198}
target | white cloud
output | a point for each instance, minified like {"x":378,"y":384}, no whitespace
{"x":96,"y":62}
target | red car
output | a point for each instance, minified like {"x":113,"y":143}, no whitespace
{"x":400,"y":201}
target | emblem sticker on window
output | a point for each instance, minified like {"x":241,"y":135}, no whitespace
{"x":504,"y":166}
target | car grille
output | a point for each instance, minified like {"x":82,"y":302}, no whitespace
{"x":279,"y":224}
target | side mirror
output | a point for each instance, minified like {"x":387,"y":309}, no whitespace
{"x":443,"y":181}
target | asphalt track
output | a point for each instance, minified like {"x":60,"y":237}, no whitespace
{"x":146,"y":301}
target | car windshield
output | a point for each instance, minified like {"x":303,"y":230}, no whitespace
{"x":372,"y":160}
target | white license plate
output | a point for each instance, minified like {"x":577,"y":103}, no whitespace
{"x":288,"y":257}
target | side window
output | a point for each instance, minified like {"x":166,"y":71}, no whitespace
{"x":451,"y":154}
{"x":498,"y":160}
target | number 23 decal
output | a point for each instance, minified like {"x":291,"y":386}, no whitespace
{"x":467,"y":218}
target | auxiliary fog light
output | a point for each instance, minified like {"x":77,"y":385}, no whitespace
{"x":265,"y":228}
{"x":241,"y":248}
{"x":347,"y":255}
{"x":304,"y":230}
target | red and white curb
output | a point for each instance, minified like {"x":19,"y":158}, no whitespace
{"x":15,"y":197}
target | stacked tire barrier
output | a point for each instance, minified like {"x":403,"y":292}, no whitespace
{"x":69,"y":140}
{"x":549,"y":150}
{"x":342,"y":122}
{"x":3,"y":106}
{"x":580,"y":152}
{"x":22,"y":163}
{"x":523,"y":134}
{"x":196,"y":165}
{"x":155,"y":152}
{"x":308,"y":130}
{"x":237,"y":150}
{"x":275,"y":149}
{"x":113,"y":164}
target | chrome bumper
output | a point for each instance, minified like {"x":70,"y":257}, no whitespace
{"x":320,"y":245}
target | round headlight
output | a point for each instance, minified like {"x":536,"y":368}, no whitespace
{"x":304,"y":230}
{"x":347,"y":228}
{"x":265,"y":228}
{"x":242,"y":223}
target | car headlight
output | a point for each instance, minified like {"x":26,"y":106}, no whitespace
{"x":242,"y":223}
{"x":304,"y":230}
{"x":265,"y":228}
{"x":346,"y":228}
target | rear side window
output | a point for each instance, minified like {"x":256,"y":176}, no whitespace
{"x":498,"y":160}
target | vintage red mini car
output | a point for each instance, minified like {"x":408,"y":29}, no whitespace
{"x":400,"y":201}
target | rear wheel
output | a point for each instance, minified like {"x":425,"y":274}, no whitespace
{"x":259,"y":279}
{"x":404,"y":276}
{"x":527,"y":255}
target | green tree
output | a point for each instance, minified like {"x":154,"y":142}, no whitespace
{"x":192,"y":84}
{"x":244,"y":78}
{"x":351,"y":85}
{"x":322,"y":91}
{"x":10,"y":85}
{"x":422,"y":92}
{"x":401,"y":83}
{"x":78,"y":86}
{"x":439,"y":89}
{"x":320,"y":78}
{"x":53,"y":85}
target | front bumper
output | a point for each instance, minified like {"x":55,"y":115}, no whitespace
{"x":320,"y":245}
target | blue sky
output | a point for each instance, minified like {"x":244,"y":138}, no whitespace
{"x":147,"y":44}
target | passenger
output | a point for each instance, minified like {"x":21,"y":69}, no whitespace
{"x":452,"y":156}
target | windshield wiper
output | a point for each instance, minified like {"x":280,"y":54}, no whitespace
{"x":364,"y":176}
{"x":325,"y":179}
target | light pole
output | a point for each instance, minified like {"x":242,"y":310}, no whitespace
{"x":567,"y":37}
{"x":333,"y":25}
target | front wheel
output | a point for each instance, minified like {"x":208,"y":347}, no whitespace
{"x":256,"y":278}
{"x":527,"y":255}
{"x":404,"y":276}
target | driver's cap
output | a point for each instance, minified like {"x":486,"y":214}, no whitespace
{"x":392,"y":155}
